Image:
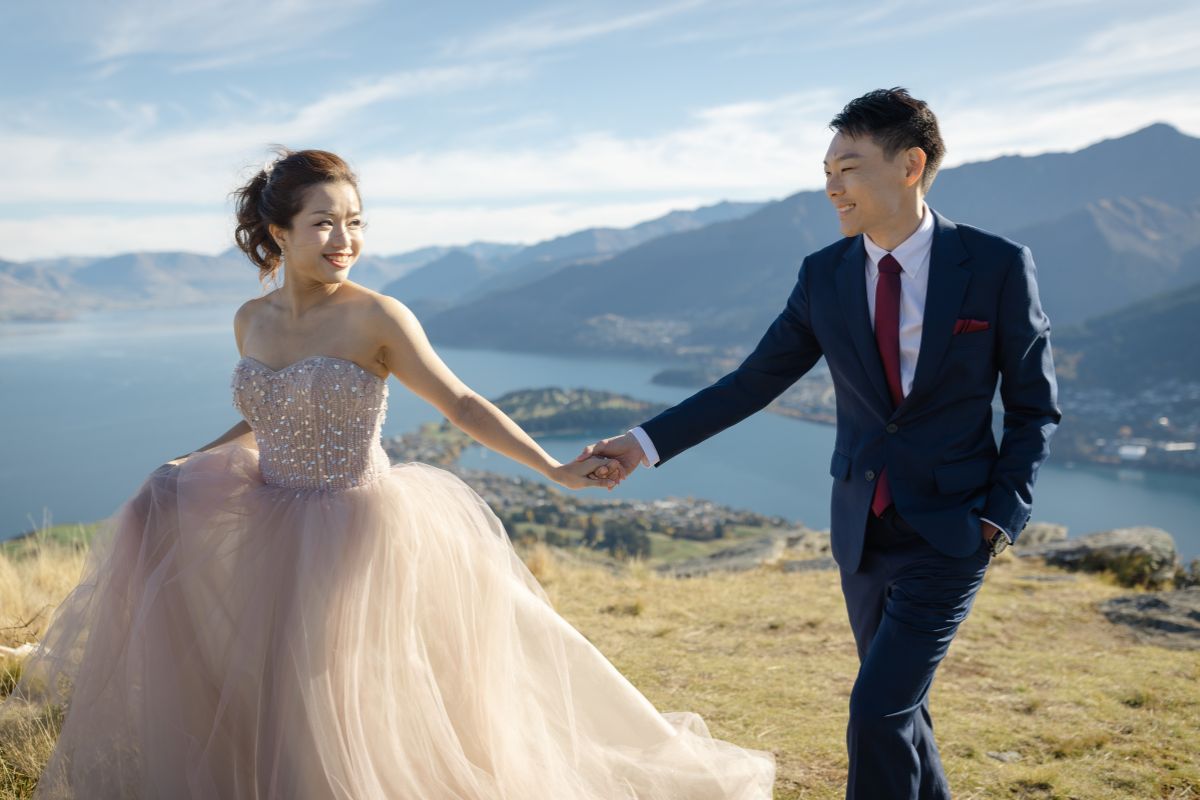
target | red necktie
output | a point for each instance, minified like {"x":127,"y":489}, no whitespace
{"x":887,"y":339}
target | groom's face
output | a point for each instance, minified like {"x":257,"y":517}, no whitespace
{"x":867,"y":188}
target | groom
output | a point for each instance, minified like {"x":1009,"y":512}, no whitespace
{"x":917,"y":318}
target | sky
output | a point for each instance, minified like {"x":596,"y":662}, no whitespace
{"x":125,"y":125}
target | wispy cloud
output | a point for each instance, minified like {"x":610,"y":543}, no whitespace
{"x":444,"y":161}
{"x":937,"y":17}
{"x":751,"y":150}
{"x":214,"y":33}
{"x":197,"y":164}
{"x":411,"y":83}
{"x":1155,"y":46}
{"x":393,"y":228}
{"x":976,"y":132}
{"x":744,"y":150}
{"x":556,"y":28}
{"x":798,"y":28}
{"x":760,"y":148}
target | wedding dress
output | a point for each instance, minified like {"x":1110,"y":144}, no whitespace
{"x":310,"y":621}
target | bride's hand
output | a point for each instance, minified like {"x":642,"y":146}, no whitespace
{"x":575,"y":475}
{"x":174,"y":462}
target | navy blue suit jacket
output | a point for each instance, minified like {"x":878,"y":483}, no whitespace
{"x":944,"y":467}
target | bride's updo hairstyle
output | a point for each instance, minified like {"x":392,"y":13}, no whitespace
{"x":275,"y":195}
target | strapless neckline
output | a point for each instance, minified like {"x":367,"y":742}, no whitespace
{"x":317,"y":421}
{"x":307,"y":359}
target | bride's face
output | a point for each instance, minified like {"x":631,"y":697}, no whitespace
{"x":326,"y":236}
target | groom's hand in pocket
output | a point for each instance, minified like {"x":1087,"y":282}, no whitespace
{"x":624,"y":451}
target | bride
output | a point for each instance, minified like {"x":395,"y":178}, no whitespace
{"x":285,"y":614}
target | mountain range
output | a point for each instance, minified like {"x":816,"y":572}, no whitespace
{"x":460,"y":275}
{"x":429,"y":278}
{"x":1110,"y":225}
{"x":1114,"y":229}
{"x":60,"y":288}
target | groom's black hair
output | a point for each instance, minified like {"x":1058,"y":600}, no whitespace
{"x":896,"y":121}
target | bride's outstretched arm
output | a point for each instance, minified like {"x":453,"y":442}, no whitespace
{"x":409,"y":356}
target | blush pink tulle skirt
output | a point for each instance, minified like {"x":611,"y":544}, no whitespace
{"x":233,"y":639}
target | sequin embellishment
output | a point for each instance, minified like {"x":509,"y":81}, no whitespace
{"x":317,"y":421}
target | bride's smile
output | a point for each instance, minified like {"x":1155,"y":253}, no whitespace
{"x":327,"y":236}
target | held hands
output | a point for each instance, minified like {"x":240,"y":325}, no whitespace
{"x":624,"y":451}
{"x":584,"y":473}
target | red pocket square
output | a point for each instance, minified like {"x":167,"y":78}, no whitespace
{"x":970,"y":326}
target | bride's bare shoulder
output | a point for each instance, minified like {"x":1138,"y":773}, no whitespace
{"x":387,"y":309}
{"x":245,"y":316}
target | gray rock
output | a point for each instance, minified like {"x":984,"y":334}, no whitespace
{"x":808,"y":543}
{"x":1047,"y":578}
{"x":808,"y":565}
{"x":1168,"y":619}
{"x":1135,"y":555}
{"x":1040,"y":533}
{"x":738,"y":558}
{"x":1007,"y":757}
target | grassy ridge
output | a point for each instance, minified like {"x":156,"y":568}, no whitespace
{"x":767,"y":659}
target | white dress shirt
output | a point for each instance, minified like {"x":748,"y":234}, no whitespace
{"x":913,"y":257}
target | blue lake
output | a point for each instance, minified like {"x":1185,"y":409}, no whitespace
{"x":88,"y":407}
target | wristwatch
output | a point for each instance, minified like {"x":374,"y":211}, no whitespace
{"x":998,"y":542}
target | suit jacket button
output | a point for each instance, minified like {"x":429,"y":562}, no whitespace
{"x":870,"y":474}
{"x":892,"y":428}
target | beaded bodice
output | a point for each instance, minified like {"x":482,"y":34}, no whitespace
{"x":317,"y":421}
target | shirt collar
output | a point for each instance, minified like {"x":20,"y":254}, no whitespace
{"x":911,"y":253}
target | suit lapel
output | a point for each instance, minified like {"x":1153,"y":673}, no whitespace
{"x":852,"y":292}
{"x":948,"y":281}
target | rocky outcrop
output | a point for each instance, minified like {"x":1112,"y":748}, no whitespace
{"x":793,"y":550}
{"x":808,"y":564}
{"x":1168,"y":619}
{"x":1037,"y":534}
{"x":1136,"y":556}
{"x":804,"y":543}
{"x":808,"y":551}
{"x":738,"y":558}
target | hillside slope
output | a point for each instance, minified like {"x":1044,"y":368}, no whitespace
{"x":766,"y":658}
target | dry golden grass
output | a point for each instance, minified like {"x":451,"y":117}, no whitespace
{"x":767,"y":659}
{"x":35,"y":575}
{"x":34,"y":578}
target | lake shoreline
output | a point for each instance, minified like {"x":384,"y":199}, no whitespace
{"x":94,"y":405}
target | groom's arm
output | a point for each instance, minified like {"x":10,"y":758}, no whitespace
{"x":1029,"y":392}
{"x":786,"y":351}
